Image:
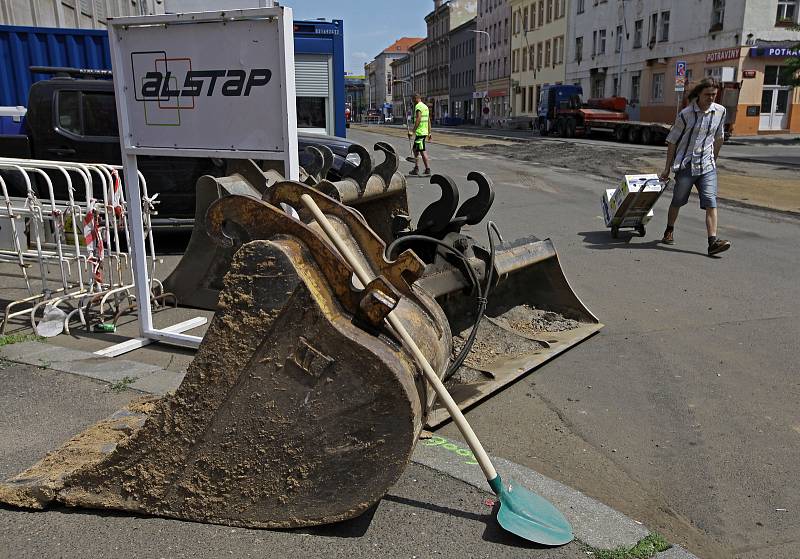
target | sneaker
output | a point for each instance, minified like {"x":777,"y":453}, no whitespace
{"x":414,"y":171}
{"x":720,"y":245}
{"x":427,"y":172}
{"x":668,"y":238}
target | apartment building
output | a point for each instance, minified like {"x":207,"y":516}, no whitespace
{"x":462,"y":71}
{"x":632,"y":48}
{"x":402,"y":88}
{"x":379,"y":77}
{"x":445,"y":17}
{"x":494,"y":58}
{"x":419,"y":67}
{"x":538,"y":34}
{"x":80,"y":14}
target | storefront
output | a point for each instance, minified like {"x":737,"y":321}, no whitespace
{"x":767,"y":104}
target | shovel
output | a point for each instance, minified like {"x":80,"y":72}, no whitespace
{"x":521,"y":512}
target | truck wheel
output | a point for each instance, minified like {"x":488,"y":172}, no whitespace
{"x":634,"y":135}
{"x":543,"y":127}
{"x":641,"y":230}
{"x":620,"y":134}
{"x":647,"y":136}
{"x":614,"y":232}
{"x":571,"y":128}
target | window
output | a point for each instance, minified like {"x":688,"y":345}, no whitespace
{"x":594,"y":43}
{"x":514,"y":23}
{"x":87,"y":114}
{"x":581,"y":6}
{"x":525,"y":60}
{"x":664,"y":27}
{"x":653,"y":27}
{"x":549,"y":11}
{"x":547,"y":53}
{"x":525,"y":19}
{"x":717,"y":14}
{"x":532,"y":20}
{"x":638,"y":26}
{"x":69,"y":115}
{"x":599,"y":86}
{"x":538,"y":56}
{"x":531,"y":107}
{"x":787,"y":11}
{"x":601,"y":42}
{"x":541,"y":12}
{"x":559,"y":50}
{"x":658,"y":87}
{"x":635,"y":87}
{"x":776,"y":75}
{"x":618,"y":43}
{"x":615,"y":85}
{"x":514,"y":61}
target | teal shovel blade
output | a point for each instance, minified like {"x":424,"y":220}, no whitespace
{"x":530,"y":516}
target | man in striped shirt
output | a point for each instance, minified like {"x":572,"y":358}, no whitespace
{"x":693,"y":145}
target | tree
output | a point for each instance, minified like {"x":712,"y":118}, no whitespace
{"x":791,"y":71}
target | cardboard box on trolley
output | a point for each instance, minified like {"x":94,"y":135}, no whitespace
{"x":632,"y":202}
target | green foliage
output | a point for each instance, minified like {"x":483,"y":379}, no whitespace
{"x":791,"y":68}
{"x":17,"y":338}
{"x":644,"y":549}
{"x":122,"y":384}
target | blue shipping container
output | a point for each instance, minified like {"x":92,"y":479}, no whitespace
{"x":22,"y":47}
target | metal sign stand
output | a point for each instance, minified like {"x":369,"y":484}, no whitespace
{"x":175,"y":141}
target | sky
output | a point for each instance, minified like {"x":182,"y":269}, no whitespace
{"x":369,"y":25}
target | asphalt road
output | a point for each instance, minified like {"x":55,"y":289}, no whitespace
{"x":683,"y":411}
{"x":788,"y":155}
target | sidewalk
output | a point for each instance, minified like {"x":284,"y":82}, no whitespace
{"x":766,"y":140}
{"x":439,"y":508}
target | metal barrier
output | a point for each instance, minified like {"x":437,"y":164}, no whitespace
{"x":83,"y":234}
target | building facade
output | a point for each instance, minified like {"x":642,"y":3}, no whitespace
{"x":633,"y":49}
{"x":538,"y":35}
{"x":78,"y":14}
{"x":445,"y":17}
{"x":462,"y":72}
{"x":494,"y":59}
{"x":419,"y":67}
{"x":354,"y":96}
{"x":379,"y":77}
{"x":402,"y":88}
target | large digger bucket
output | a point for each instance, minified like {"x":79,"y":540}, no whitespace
{"x":379,"y":194}
{"x":532,"y":316}
{"x":301,"y":406}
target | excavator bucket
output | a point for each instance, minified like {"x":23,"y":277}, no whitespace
{"x":378,"y":193}
{"x":301,"y":406}
{"x":532,"y":312}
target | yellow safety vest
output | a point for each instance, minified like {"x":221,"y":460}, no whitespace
{"x":423,"y":129}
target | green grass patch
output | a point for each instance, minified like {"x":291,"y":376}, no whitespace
{"x":644,"y":549}
{"x":122,"y":384}
{"x":17,"y":338}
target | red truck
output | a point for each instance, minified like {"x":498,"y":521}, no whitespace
{"x":562,"y":112}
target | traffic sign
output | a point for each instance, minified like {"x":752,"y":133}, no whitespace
{"x":680,"y":69}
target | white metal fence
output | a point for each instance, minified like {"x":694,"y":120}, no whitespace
{"x":77,"y":239}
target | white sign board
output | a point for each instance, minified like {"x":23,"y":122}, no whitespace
{"x":207,"y":84}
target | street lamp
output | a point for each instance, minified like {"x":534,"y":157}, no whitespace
{"x":488,"y":54}
{"x":405,"y":107}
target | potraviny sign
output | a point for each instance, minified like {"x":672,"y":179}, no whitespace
{"x":201,"y":84}
{"x":775,"y":52}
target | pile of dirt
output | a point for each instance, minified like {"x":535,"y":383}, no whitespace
{"x":613,"y":161}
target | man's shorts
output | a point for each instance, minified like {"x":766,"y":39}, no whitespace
{"x":706,"y":187}
{"x":419,"y":143}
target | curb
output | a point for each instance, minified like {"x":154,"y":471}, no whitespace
{"x":594,"y":523}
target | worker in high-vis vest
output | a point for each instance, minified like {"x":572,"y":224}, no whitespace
{"x":421,"y":134}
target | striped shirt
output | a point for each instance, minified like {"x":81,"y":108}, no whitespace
{"x":694,"y":133}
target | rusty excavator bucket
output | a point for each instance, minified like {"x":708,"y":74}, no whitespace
{"x":301,"y":406}
{"x":532,"y":312}
{"x":378,"y":193}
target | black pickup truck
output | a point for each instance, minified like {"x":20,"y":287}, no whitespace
{"x":71,"y":119}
